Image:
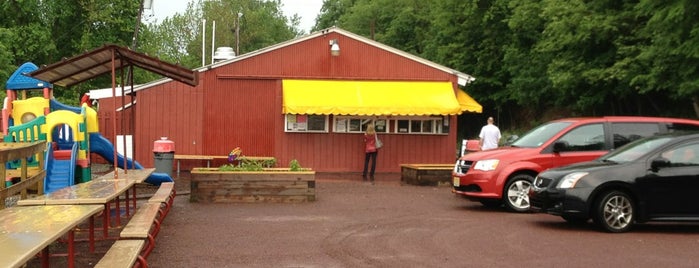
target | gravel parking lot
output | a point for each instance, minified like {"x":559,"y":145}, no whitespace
{"x":355,"y":224}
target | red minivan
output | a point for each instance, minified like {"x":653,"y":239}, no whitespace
{"x":504,"y":175}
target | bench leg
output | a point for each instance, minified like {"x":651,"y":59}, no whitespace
{"x":162,"y":211}
{"x":150,"y":246}
{"x":141,"y":262}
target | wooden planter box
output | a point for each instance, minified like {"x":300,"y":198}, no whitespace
{"x":273,"y":185}
{"x":426,"y":174}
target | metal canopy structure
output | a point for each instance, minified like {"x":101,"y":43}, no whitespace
{"x":107,"y":59}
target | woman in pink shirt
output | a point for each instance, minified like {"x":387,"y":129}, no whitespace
{"x":370,"y":152}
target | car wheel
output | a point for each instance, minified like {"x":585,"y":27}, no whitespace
{"x":615,"y":212}
{"x":516,"y":194}
{"x":491,"y":203}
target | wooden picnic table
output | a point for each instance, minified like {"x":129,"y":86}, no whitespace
{"x":137,"y":175}
{"x":208,"y":159}
{"x":27,"y":230}
{"x":98,"y":191}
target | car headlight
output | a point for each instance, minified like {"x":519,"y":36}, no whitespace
{"x":486,"y":165}
{"x":570,"y":180}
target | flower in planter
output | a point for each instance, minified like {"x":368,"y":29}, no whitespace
{"x":235,"y":153}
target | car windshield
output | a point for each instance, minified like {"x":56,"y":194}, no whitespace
{"x":536,"y":137}
{"x":634,"y":150}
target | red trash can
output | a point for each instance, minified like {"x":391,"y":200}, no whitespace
{"x":164,"y":154}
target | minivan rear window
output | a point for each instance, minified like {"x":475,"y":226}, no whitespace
{"x":625,"y":132}
{"x":672,"y":127}
{"x":538,"y":136}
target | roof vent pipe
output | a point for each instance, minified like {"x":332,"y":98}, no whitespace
{"x":224,"y":53}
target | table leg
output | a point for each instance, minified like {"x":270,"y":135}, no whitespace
{"x":118,"y":211}
{"x":106,"y":220}
{"x":92,"y":234}
{"x":45,"y":257}
{"x":178,"y":167}
{"x":71,"y":248}
{"x":134,"y":198}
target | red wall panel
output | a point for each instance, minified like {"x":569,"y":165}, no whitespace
{"x":240,"y":105}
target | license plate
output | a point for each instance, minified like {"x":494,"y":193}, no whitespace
{"x":456,"y":181}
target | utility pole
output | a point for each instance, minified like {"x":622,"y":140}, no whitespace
{"x":143,"y":4}
{"x":237,"y":33}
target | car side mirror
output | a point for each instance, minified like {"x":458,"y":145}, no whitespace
{"x":560,"y":146}
{"x":658,"y":163}
{"x":511,"y":139}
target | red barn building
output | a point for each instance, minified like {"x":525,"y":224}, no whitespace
{"x":301,"y":100}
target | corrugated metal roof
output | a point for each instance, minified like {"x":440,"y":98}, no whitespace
{"x":100,"y":61}
{"x":463,"y":78}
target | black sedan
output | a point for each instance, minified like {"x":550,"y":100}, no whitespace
{"x":652,"y":179}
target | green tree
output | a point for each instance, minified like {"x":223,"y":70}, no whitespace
{"x":44,"y":32}
{"x":330,"y":13}
{"x":668,"y":62}
{"x":260,"y":24}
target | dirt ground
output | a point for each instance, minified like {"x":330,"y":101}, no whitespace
{"x":356,"y":224}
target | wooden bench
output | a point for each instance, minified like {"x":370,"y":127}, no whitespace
{"x":123,"y":253}
{"x":165,"y":196}
{"x":144,"y":224}
{"x":426,"y":174}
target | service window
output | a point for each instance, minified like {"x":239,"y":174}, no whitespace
{"x":348,"y":124}
{"x":427,"y":125}
{"x":624,"y":133}
{"x":585,"y":138}
{"x":306,"y":123}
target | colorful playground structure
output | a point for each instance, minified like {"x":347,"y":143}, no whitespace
{"x":71,"y":133}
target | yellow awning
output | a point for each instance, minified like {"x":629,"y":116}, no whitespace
{"x":467,"y":103}
{"x":369,"y":97}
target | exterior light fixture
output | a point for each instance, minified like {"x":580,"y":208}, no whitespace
{"x":334,"y":48}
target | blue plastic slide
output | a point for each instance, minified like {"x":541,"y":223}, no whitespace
{"x":60,"y":173}
{"x":104,"y":148}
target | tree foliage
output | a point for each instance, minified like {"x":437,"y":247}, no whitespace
{"x":44,"y":32}
{"x":259,"y":24}
{"x":532,"y":59}
{"x":538,"y":59}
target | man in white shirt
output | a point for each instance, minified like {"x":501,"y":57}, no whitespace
{"x":490,"y":135}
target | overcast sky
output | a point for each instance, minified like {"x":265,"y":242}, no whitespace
{"x":306,"y":9}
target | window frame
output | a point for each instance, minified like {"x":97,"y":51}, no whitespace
{"x":363,"y":121}
{"x":439,"y":125}
{"x":297,"y":128}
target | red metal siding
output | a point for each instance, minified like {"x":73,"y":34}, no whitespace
{"x":171,"y":110}
{"x":240,"y":113}
{"x":174,"y":111}
{"x":240,"y":104}
{"x":312,"y":59}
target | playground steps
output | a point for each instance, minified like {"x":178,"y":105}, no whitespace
{"x":60,"y":175}
{"x":62,"y":154}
